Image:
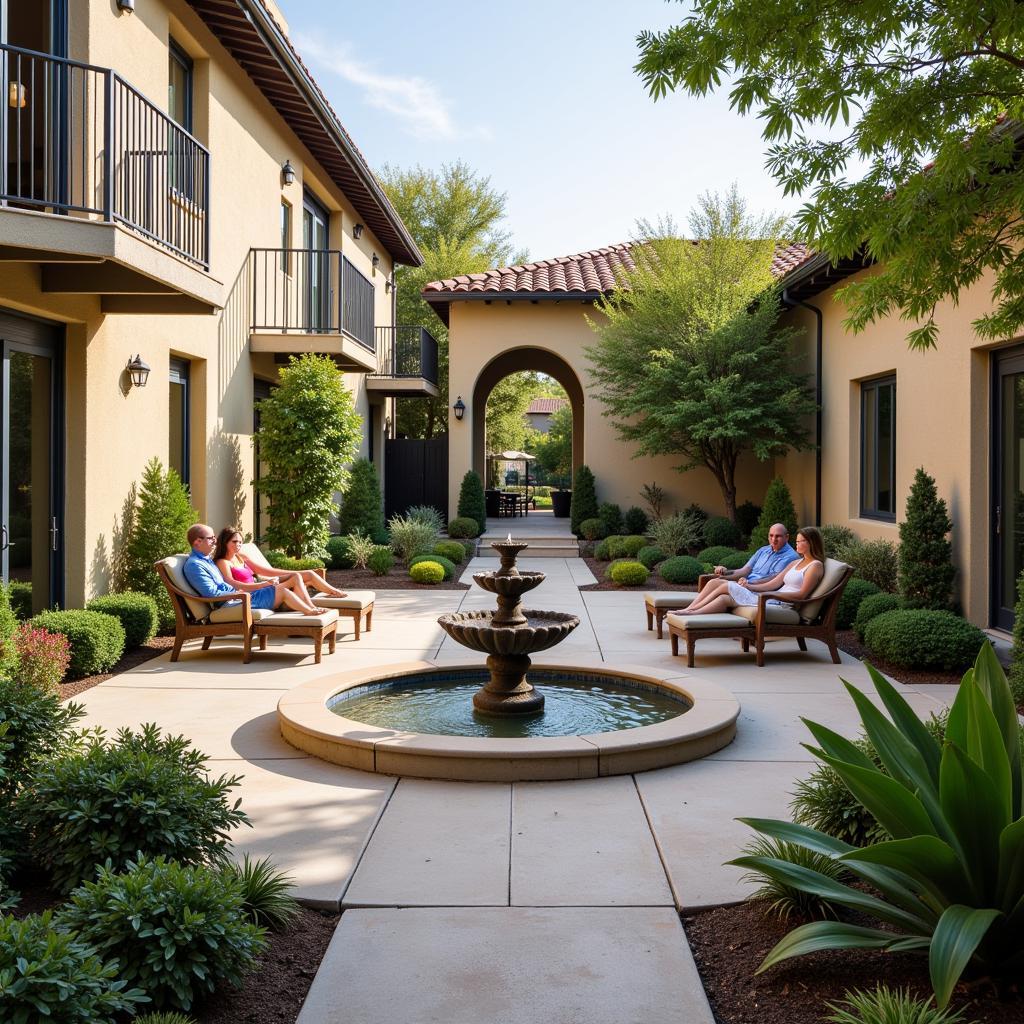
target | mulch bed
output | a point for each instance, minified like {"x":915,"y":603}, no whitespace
{"x":130,"y":659}
{"x":729,"y":944}
{"x":846,"y":640}
{"x":654,"y":581}
{"x":396,"y":579}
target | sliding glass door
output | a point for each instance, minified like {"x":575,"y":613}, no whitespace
{"x":1008,"y":485}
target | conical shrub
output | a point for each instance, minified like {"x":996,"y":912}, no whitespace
{"x":777,"y":508}
{"x":471,"y":500}
{"x":926,"y":569}
{"x":361,"y":510}
{"x":584,"y":499}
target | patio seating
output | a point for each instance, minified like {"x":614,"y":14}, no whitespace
{"x":207,"y":618}
{"x":813,"y":618}
{"x":659,"y":603}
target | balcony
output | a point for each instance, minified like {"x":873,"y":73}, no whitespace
{"x":101,"y":189}
{"x":408,"y":363}
{"x":312,"y":300}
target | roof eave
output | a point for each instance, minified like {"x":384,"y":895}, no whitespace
{"x":441,"y":301}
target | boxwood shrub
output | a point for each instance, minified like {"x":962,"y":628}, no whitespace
{"x":427,"y":571}
{"x":680,"y":569}
{"x":463,"y":526}
{"x":592,"y":529}
{"x":922,"y":638}
{"x":626,"y":547}
{"x":629,"y":574}
{"x":603,"y":548}
{"x":650,"y":555}
{"x":716,"y":554}
{"x":97,"y":639}
{"x":855,"y":591}
{"x":137,"y":612}
{"x":447,"y":565}
{"x":453,"y":550}
{"x":873,"y":606}
{"x":719,"y":531}
{"x":339,"y":556}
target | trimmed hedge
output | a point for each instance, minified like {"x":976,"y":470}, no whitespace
{"x":453,"y":550}
{"x":629,"y":574}
{"x":680,"y":569}
{"x":626,"y":547}
{"x":873,"y":606}
{"x":924,"y":638}
{"x":719,"y":531}
{"x":427,"y":571}
{"x":593,"y":529}
{"x":446,"y":564}
{"x":97,"y":639}
{"x":717,"y":553}
{"x":138,"y":614}
{"x":650,"y":556}
{"x":463,"y":526}
{"x":855,"y":591}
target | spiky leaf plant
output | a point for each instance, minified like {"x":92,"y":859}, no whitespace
{"x":884,"y":1005}
{"x":782,"y":899}
{"x":266,"y":892}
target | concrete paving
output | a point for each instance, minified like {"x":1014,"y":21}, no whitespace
{"x":482,"y":902}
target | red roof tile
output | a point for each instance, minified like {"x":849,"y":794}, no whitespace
{"x":543,"y":405}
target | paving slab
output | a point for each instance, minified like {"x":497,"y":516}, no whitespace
{"x":512,"y":965}
{"x":437,"y":844}
{"x":605,"y":852}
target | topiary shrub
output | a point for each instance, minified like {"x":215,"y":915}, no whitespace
{"x":446,"y":563}
{"x":136,"y":612}
{"x":603,"y":548}
{"x":675,"y":535}
{"x":924,"y":638}
{"x":627,"y":547}
{"x":426,"y":572}
{"x":584,"y":499}
{"x":716,"y":555}
{"x":873,"y":560}
{"x":650,"y":556}
{"x":610,"y":515}
{"x":463,"y":527}
{"x":471,"y":502}
{"x":747,"y":516}
{"x":736,"y":560}
{"x":97,"y":639}
{"x":629,"y":574}
{"x":592,"y":529}
{"x":21,"y":598}
{"x":777,"y":508}
{"x":854,"y":592}
{"x":380,"y":561}
{"x":926,"y":567}
{"x":144,"y":793}
{"x":339,"y":553}
{"x":452,"y":550}
{"x":49,"y":975}
{"x":635,"y":520}
{"x":410,"y":537}
{"x":680,"y":569}
{"x":360,"y":510}
{"x":42,"y":658}
{"x":873,"y":606}
{"x":177,"y":930}
{"x":279,"y":560}
{"x":721,"y":532}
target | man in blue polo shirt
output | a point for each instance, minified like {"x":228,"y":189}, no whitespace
{"x":763,"y":563}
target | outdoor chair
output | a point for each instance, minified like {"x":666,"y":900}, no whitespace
{"x":196,"y":616}
{"x":813,"y":618}
{"x":658,"y":603}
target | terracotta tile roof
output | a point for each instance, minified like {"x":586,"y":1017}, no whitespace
{"x":543,"y":405}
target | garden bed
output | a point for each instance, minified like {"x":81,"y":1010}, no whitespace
{"x":654,"y":581}
{"x":847,"y":641}
{"x":730,"y":942}
{"x":396,"y":579}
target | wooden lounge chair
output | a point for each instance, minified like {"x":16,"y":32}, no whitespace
{"x":658,"y":603}
{"x":814,"y":618}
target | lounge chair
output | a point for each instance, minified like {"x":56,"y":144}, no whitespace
{"x":659,"y":603}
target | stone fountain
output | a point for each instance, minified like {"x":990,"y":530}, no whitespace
{"x":508,"y":635}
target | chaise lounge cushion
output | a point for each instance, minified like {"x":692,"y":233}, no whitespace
{"x":353,"y":599}
{"x":292,"y":619}
{"x":721,"y":621}
{"x":833,"y":574}
{"x":175,"y":566}
{"x":778,"y":614}
{"x":670,"y":598}
{"x":233,"y":613}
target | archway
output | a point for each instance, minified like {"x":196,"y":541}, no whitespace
{"x":514,"y":361}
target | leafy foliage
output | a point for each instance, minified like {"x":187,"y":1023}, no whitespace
{"x":836,"y":538}
{"x":554,"y":449}
{"x":450,"y":549}
{"x":8,"y":629}
{"x":872,"y":560}
{"x":635,"y":520}
{"x":339,"y":552}
{"x":610,"y":515}
{"x":736,"y":560}
{"x":309,"y":434}
{"x":626,"y":547}
{"x":136,"y":612}
{"x":777,"y":508}
{"x":279,"y":560}
{"x":719,"y":531}
{"x":629,"y":574}
{"x":922,"y":638}
{"x":716,"y":555}
{"x":447,"y":566}
{"x":584,"y":499}
{"x":20,"y":593}
{"x":96,"y":639}
{"x":360,"y":549}
{"x":380,"y":561}
{"x":42,"y":657}
{"x":603,"y":548}
{"x":680,"y":569}
{"x":1017,"y":662}
{"x":873,"y":606}
{"x":164,"y":1017}
{"x":747,"y":517}
{"x":883,"y":1005}
{"x":655,"y":497}
{"x":650,"y":556}
{"x":853,"y":594}
{"x":410,"y":537}
{"x":266,"y":892}
{"x":592,"y":529}
{"x":361,"y":508}
{"x":676,"y":534}
{"x":783,"y":899}
{"x":506,"y":427}
{"x":426,"y":571}
{"x":926,"y":567}
{"x":463,"y":526}
{"x":471,"y":501}
{"x":426,"y":514}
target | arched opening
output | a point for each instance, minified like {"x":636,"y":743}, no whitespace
{"x":513,"y":361}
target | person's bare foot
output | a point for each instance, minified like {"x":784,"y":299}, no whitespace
{"x":312,"y":611}
{"x":335,"y":592}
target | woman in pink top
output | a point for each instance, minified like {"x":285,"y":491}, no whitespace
{"x":236,"y":567}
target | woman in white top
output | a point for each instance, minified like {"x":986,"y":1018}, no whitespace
{"x":796,"y":582}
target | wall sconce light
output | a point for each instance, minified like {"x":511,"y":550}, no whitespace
{"x":459,"y":407}
{"x":288,"y":173}
{"x":375,"y":262}
{"x":17,"y":96}
{"x":388,"y":285}
{"x":357,"y":230}
{"x":126,"y":6}
{"x":138,"y":371}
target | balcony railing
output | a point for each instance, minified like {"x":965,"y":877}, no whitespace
{"x":78,"y":139}
{"x":315,"y":291}
{"x":407,"y":352}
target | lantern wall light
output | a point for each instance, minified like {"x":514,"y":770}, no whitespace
{"x":138,"y":372}
{"x":288,"y":173}
{"x":459,"y":408}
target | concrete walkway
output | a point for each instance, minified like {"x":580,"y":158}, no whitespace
{"x":472,"y":903}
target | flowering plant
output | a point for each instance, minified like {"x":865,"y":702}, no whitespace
{"x":43,"y":657}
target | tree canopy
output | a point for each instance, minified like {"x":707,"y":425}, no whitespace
{"x":899,"y":122}
{"x":554,"y":449}
{"x":689,"y":359}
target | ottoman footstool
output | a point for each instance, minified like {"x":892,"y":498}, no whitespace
{"x":317,"y":627}
{"x":692,"y":628}
{"x":356,"y":605}
{"x":659,"y":603}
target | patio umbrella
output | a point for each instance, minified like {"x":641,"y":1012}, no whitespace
{"x":513,"y":456}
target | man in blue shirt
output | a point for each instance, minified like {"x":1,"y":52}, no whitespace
{"x":763,"y":563}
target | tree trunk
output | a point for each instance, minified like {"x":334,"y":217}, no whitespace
{"x":723,"y":467}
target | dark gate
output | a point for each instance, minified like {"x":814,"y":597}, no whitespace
{"x":415,"y":473}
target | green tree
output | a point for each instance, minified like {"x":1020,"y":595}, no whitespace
{"x":853,"y":99}
{"x":926,"y":569}
{"x":455,"y":216}
{"x":471,"y":500}
{"x":690,"y":360}
{"x":584,"y":499}
{"x":554,"y":449}
{"x":506,"y":425}
{"x":361,"y":509}
{"x":309,"y":433}
{"x":777,"y":508}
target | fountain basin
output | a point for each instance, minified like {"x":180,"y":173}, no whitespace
{"x":708,"y":724}
{"x":540,"y":631}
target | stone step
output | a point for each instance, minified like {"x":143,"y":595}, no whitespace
{"x":540,"y":547}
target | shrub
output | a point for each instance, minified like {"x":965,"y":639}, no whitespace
{"x":603,"y":548}
{"x":873,"y":606}
{"x":680,"y":569}
{"x":426,"y":572}
{"x":20,"y":593}
{"x":923,"y":638}
{"x":177,"y":930}
{"x":279,"y":560}
{"x":954,"y":812}
{"x":836,"y":539}
{"x":584,"y":499}
{"x":339,"y":553}
{"x":471,"y":502}
{"x":266,"y":893}
{"x":629,"y":574}
{"x":8,"y":628}
{"x":42,"y":657}
{"x":446,"y":564}
{"x":145,"y":792}
{"x":635,"y":520}
{"x":625,"y":547}
{"x":676,"y":534}
{"x":1017,"y":661}
{"x":655,"y":498}
{"x":783,"y":899}
{"x":884,"y":1005}
{"x":410,"y":537}
{"x":873,"y":560}
{"x":650,"y":556}
{"x":360,"y":549}
{"x":136,"y":612}
{"x":426,"y":514}
{"x":736,"y":560}
{"x":698,"y":513}
{"x":47,"y":975}
{"x":470,"y":546}
{"x":926,"y":567}
{"x":361,"y":509}
{"x":849,"y":603}
{"x":610,"y":515}
{"x":166,"y":1017}
{"x":777,"y":508}
{"x":721,"y":532}
{"x":715,"y":555}
{"x":463,"y":527}
{"x":380,"y":561}
{"x":97,"y":639}
{"x":747,"y":516}
{"x":592,"y":529}
{"x":450,"y":549}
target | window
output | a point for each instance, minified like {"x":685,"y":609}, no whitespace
{"x":179,"y":86}
{"x":178,"y":420}
{"x":286,"y":236}
{"x":878,"y":448}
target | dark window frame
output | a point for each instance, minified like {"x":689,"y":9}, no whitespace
{"x":869,"y":503}
{"x":180,"y":372}
{"x":287,"y":226}
{"x":177,"y":54}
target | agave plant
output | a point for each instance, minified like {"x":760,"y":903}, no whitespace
{"x":950,"y":882}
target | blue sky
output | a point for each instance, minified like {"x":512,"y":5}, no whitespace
{"x":545,"y":103}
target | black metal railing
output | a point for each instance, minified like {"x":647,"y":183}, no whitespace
{"x":406,"y":351}
{"x":316,"y":291}
{"x":78,"y":139}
